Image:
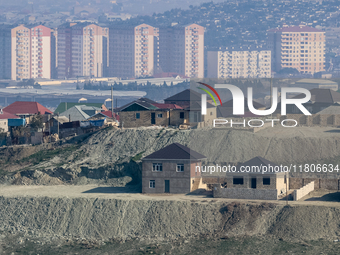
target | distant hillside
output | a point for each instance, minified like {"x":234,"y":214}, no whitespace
{"x":244,"y":23}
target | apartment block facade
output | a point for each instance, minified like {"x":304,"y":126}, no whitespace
{"x":300,"y":47}
{"x":25,"y":52}
{"x":5,"y":51}
{"x":181,"y":50}
{"x":133,"y":51}
{"x":82,"y":50}
{"x":239,"y":64}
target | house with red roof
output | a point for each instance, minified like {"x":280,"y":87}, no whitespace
{"x":26,"y":109}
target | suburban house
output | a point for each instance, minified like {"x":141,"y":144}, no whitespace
{"x":24,"y":109}
{"x":62,"y":107}
{"x":190,"y":101}
{"x":80,"y":112}
{"x":250,"y":181}
{"x":320,"y":100}
{"x":4,"y":117}
{"x":146,"y":112}
{"x":226,"y":109}
{"x":172,"y":170}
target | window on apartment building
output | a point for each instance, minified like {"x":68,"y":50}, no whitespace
{"x":266,"y":181}
{"x":180,"y":168}
{"x":238,"y":180}
{"x":152,"y":184}
{"x":137,"y":115}
{"x":157,"y":167}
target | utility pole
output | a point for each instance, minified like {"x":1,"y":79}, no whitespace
{"x":58,"y":123}
{"x":112,"y":100}
{"x":286,"y":188}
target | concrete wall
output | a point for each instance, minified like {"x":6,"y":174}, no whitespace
{"x":319,"y":183}
{"x":244,"y":193}
{"x":305,"y":190}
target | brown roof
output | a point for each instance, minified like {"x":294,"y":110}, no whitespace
{"x":259,"y":162}
{"x":185,"y":95}
{"x":175,"y":151}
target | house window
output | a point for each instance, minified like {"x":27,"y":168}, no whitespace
{"x":237,"y":181}
{"x":266,"y":181}
{"x":181,"y":115}
{"x":157,"y":167}
{"x":160,"y":115}
{"x":137,"y":115}
{"x":152,"y":184}
{"x":180,"y":168}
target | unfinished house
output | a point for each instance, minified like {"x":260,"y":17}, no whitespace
{"x":145,"y":112}
{"x":172,"y":170}
{"x":257,"y":178}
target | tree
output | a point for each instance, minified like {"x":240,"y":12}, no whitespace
{"x":37,"y":122}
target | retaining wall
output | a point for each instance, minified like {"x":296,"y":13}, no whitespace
{"x":305,"y":190}
{"x":241,"y":193}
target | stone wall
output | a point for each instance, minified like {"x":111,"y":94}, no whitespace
{"x":243,"y":193}
{"x":305,"y":190}
{"x":129,"y":120}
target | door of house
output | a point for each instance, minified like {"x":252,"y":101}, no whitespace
{"x":253,"y":183}
{"x":166,"y":186}
{"x":153,"y":118}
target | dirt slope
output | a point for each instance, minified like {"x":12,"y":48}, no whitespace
{"x":111,"y":154}
{"x":113,"y":218}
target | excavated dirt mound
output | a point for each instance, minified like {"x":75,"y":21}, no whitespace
{"x":163,"y":219}
{"x":108,"y":154}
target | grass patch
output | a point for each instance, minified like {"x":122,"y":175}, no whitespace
{"x":43,"y":155}
{"x":138,"y":156}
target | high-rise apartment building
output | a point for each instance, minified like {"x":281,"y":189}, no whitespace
{"x":181,"y":50}
{"x":82,"y":50}
{"x":5,"y":51}
{"x":132,"y":51}
{"x":239,"y":64}
{"x":25,"y":52}
{"x":300,"y":47}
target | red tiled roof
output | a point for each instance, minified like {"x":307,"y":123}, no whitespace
{"x":109,"y":114}
{"x":25,"y":107}
{"x":5,"y":115}
{"x":167,"y":106}
{"x":295,"y":29}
